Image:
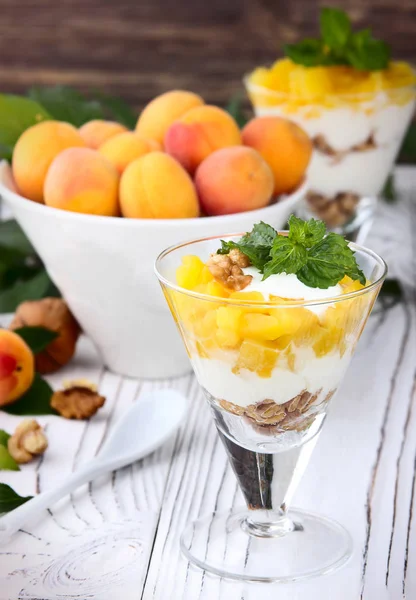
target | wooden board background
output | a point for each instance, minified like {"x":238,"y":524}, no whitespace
{"x":139,"y":48}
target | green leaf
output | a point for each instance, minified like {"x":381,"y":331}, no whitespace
{"x":389,"y":190}
{"x":13,"y":237}
{"x":36,"y":401}
{"x":309,"y":53}
{"x":234,"y":108}
{"x":67,"y":104}
{"x":16,"y":115}
{"x":335,"y":27}
{"x":7,"y":462}
{"x":37,"y":338}
{"x":367,"y":54}
{"x":4,"y":437}
{"x":408,"y":149}
{"x":9,"y":500}
{"x":117,"y":109}
{"x":307,"y":233}
{"x":287,"y":256}
{"x":34,"y":288}
{"x":328,"y":262}
{"x":256,"y":244}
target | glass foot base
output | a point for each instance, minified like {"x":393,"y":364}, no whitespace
{"x":222,"y":544}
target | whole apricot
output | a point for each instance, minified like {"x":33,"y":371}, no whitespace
{"x":17,"y":367}
{"x":35,"y":150}
{"x":81,"y":180}
{"x":96,"y":132}
{"x":233,"y":180}
{"x":154,"y":145}
{"x":162,"y":111}
{"x":53,"y":314}
{"x":123,"y":148}
{"x":284,"y":146}
{"x":155,"y":186}
{"x":198,"y":133}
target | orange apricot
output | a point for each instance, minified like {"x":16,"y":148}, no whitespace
{"x":162,"y":111}
{"x":17,"y":367}
{"x":233,"y":180}
{"x":96,"y":132}
{"x":35,"y":150}
{"x":123,"y":148}
{"x":155,"y":186}
{"x":198,"y":133}
{"x":284,"y":146}
{"x":81,"y":180}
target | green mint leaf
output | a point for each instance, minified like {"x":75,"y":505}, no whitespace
{"x":37,"y":338}
{"x":30,"y":289}
{"x":309,"y":53}
{"x":4,"y":437}
{"x":7,"y":462}
{"x":286,"y":257}
{"x":36,"y":401}
{"x":255,"y":245}
{"x":235,"y":109}
{"x":335,"y":28}
{"x":9,"y":500}
{"x":365,"y":53}
{"x":307,"y":233}
{"x":327,"y":263}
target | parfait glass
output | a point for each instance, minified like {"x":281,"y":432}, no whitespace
{"x":356,"y":138}
{"x":268,"y":371}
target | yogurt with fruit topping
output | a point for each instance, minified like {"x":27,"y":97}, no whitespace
{"x":268,"y":345}
{"x":356,"y":113}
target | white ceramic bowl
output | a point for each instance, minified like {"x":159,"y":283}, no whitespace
{"x":103,"y":267}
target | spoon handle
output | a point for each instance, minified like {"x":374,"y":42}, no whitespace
{"x":32,"y":509}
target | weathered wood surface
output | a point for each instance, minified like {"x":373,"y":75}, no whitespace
{"x":119,"y":536}
{"x":138,"y":49}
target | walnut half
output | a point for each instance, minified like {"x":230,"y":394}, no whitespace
{"x":228,"y":269}
{"x":28,"y":440}
{"x":77,"y":402}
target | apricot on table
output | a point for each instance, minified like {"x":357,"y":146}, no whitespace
{"x":155,"y":186}
{"x":284,"y":146}
{"x":162,"y":111}
{"x":198,"y":133}
{"x":17,"y":367}
{"x":35,"y":150}
{"x":234,"y":180}
{"x":123,"y":148}
{"x":96,"y":132}
{"x":81,"y":180}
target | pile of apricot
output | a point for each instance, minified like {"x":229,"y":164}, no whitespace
{"x":185,"y":159}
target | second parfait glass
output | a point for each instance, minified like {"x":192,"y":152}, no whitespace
{"x":268,"y":371}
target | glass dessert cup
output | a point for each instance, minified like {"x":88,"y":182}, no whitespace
{"x":268,"y":371}
{"x":356,"y":139}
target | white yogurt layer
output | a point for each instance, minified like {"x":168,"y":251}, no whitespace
{"x":247,"y":388}
{"x":361,"y":172}
{"x":288,"y":286}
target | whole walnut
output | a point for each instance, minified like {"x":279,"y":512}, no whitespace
{"x":53,"y":314}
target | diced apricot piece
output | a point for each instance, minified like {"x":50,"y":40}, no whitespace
{"x":261,"y":327}
{"x":188,"y":275}
{"x":256,"y":357}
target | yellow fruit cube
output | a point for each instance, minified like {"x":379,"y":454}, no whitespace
{"x":256,"y":357}
{"x":310,"y":82}
{"x":227,"y":338}
{"x":188,"y":275}
{"x":228,"y":317}
{"x":261,"y":327}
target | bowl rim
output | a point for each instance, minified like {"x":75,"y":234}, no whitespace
{"x":267,"y":212}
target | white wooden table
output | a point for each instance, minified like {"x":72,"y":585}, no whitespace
{"x":118,"y":538}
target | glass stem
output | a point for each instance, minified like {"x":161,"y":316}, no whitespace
{"x":268,"y":482}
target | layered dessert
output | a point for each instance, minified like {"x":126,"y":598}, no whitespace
{"x":268,"y":348}
{"x":353,"y":101}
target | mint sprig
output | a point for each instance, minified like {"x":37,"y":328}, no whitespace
{"x":338,"y":44}
{"x":318,"y":259}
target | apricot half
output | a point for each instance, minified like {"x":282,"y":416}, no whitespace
{"x":17,"y":367}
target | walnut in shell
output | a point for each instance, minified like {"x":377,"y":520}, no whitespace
{"x":53,"y":314}
{"x":28,"y":441}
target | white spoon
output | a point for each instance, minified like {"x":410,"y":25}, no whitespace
{"x":144,"y":426}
